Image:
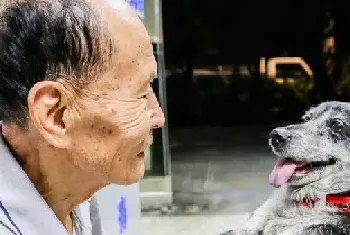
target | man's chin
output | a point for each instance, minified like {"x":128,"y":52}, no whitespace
{"x":133,"y":177}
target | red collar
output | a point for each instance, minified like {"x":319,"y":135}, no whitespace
{"x":341,"y":201}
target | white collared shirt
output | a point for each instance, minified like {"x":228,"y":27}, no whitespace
{"x":24,"y":212}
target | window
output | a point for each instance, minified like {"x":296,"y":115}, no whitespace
{"x":295,"y":71}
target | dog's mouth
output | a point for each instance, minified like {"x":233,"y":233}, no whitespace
{"x":285,"y":169}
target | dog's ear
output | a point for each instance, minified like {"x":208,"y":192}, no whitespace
{"x":306,"y":117}
{"x":307,"y":114}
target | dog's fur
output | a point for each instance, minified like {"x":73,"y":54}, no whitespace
{"x":324,"y":134}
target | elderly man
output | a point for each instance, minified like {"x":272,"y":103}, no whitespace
{"x":77,"y":109}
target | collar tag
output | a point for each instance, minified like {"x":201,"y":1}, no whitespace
{"x":341,"y":201}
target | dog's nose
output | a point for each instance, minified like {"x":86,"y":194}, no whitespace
{"x":279,"y":138}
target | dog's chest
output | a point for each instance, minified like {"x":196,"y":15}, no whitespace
{"x":291,"y":214}
{"x":277,"y":225}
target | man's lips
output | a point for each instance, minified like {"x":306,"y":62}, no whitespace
{"x":148,"y":142}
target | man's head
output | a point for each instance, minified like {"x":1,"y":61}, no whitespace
{"x":76,"y":76}
{"x":314,"y":149}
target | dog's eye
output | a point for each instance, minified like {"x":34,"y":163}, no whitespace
{"x":336,"y":126}
{"x":306,"y":118}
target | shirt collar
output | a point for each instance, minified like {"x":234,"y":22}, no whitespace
{"x":25,"y":206}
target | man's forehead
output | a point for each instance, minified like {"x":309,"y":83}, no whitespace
{"x":123,"y":24}
{"x":118,"y":4}
{"x":122,"y":9}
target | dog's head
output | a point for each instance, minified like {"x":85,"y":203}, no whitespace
{"x":313,"y":149}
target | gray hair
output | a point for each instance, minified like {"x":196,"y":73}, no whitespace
{"x":45,"y":40}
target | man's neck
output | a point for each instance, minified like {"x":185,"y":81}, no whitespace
{"x":62,"y":184}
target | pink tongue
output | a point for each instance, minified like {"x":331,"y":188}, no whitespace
{"x":283,"y":171}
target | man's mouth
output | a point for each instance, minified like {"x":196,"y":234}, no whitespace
{"x":285,"y":169}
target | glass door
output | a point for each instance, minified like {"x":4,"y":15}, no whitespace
{"x":158,"y":162}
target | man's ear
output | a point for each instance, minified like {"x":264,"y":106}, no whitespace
{"x":47,"y":106}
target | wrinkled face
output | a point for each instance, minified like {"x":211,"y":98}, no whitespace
{"x":117,"y":113}
{"x":314,"y":149}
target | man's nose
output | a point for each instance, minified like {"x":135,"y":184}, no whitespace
{"x":157,"y":118}
{"x":157,"y":115}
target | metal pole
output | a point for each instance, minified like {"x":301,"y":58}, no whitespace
{"x":162,"y":85}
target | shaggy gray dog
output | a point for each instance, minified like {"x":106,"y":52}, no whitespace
{"x":313,"y":162}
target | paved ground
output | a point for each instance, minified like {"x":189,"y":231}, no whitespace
{"x":220,"y":174}
{"x":224,"y":169}
{"x":190,"y":225}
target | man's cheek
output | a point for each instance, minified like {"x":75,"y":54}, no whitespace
{"x":134,"y":120}
{"x":136,"y":133}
